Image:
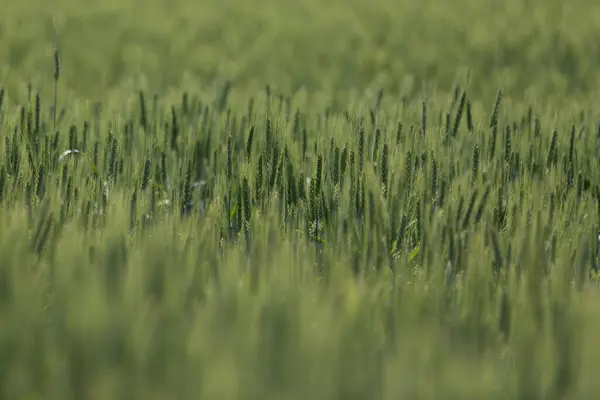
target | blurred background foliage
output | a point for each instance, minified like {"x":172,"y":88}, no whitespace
{"x":531,"y":48}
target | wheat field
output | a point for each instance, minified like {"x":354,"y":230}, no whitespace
{"x":309,"y":200}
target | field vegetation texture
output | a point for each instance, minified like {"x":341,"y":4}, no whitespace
{"x":299,"y":200}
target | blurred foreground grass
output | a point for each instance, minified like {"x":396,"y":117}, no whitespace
{"x":368,"y":226}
